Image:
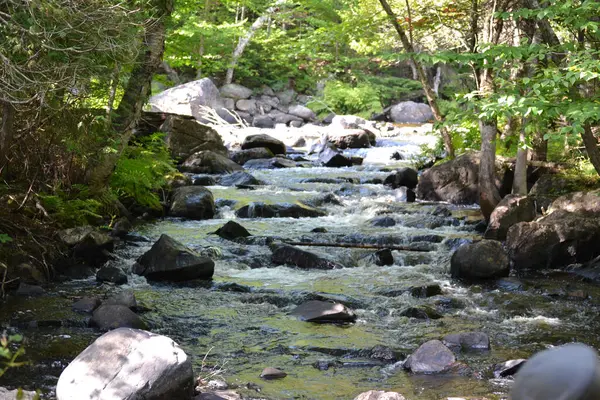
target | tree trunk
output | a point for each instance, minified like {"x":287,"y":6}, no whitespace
{"x":591,"y":146}
{"x":520,"y":180}
{"x":243,"y":42}
{"x":539,"y":147}
{"x":135,"y":95}
{"x":429,"y":93}
{"x":6,"y":131}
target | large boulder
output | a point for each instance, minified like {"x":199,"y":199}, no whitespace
{"x":482,"y":260}
{"x":409,"y":112}
{"x":582,"y":203}
{"x":403,"y":177}
{"x":113,"y":316}
{"x":169,"y":260}
{"x":329,"y":156}
{"x":290,"y":255}
{"x":457,"y":181}
{"x":323,"y":311}
{"x":379,"y":395}
{"x":193,"y":202}
{"x":280,"y":210}
{"x":355,"y":139}
{"x":430,"y":357}
{"x":242,"y":156}
{"x":238,"y":178}
{"x":186,"y":136}
{"x":235,"y":91}
{"x":302,"y":112}
{"x":261,"y":140}
{"x":128,"y":364}
{"x":511,"y":210}
{"x":208,"y":162}
{"x":554,"y":241}
{"x":187,"y":99}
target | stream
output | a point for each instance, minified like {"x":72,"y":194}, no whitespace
{"x":239,"y":322}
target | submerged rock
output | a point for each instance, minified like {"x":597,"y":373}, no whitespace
{"x":468,"y":341}
{"x":379,"y":395}
{"x":431,"y":357}
{"x":323,"y":312}
{"x":111,"y":274}
{"x":425,"y":291}
{"x":193,"y":202}
{"x":169,"y":260}
{"x":286,"y":254}
{"x":482,"y":260}
{"x":282,"y":210}
{"x":510,"y":211}
{"x":108,"y":317}
{"x":421,"y":312}
{"x":384,"y":222}
{"x":270,"y":373}
{"x":127,"y":364}
{"x":265,"y":141}
{"x":232,"y":230}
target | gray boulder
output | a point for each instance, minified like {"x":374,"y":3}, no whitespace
{"x":477,"y":261}
{"x":124,"y":298}
{"x":128,"y":364}
{"x":284,"y":254}
{"x":263,"y":121}
{"x":248,"y":106}
{"x":238,"y":178}
{"x":283,"y":118}
{"x":193,"y":202}
{"x":270,"y":373}
{"x":185,"y":137}
{"x":379,"y":395}
{"x":108,"y":317}
{"x":242,"y":156}
{"x":403,"y":177}
{"x":323,"y":312}
{"x":169,"y":260}
{"x":187,"y":99}
{"x":430,"y":357}
{"x":208,"y":162}
{"x":261,"y":140}
{"x":111,"y":274}
{"x":302,"y":112}
{"x":235,"y":91}
{"x":286,"y":97}
{"x":281,"y":210}
{"x":329,"y":156}
{"x":271,"y":163}
{"x":232,"y":230}
{"x":409,"y":112}
{"x":356,"y":139}
{"x":86,"y":305}
{"x":510,"y":211}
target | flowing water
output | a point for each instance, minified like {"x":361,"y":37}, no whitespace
{"x":245,"y":327}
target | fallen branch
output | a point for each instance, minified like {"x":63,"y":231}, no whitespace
{"x":358,"y":246}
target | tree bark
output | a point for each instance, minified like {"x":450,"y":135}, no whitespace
{"x":6,"y":130}
{"x":591,"y":146}
{"x":243,"y":42}
{"x":520,"y":180}
{"x":429,"y":93}
{"x":135,"y":95}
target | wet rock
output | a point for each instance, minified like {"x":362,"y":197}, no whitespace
{"x":383,"y":353}
{"x":319,"y":230}
{"x":271,"y":163}
{"x":243,"y":156}
{"x":356,"y":160}
{"x":232,"y":230}
{"x":510,"y":211}
{"x":108,"y":317}
{"x":203,"y":180}
{"x":403,"y":177}
{"x":111,"y":274}
{"x":208,"y":162}
{"x":270,"y":373}
{"x":405,"y":194}
{"x":282,"y":210}
{"x":467,"y":341}
{"x":125,"y":298}
{"x":554,"y":241}
{"x":88,"y":244}
{"x":352,"y":140}
{"x":290,"y":255}
{"x":235,"y":91}
{"x":421,"y":312}
{"x":383,"y":257}
{"x":379,"y":395}
{"x":128,"y":364}
{"x":331,"y":157}
{"x":302,"y":112}
{"x":323,"y":312}
{"x":431,"y":357}
{"x":261,"y":140}
{"x":86,"y":305}
{"x":482,"y":260}
{"x":238,"y":178}
{"x":383,"y":222}
{"x":327,"y":198}
{"x":397,"y":156}
{"x":409,"y":112}
{"x":508,"y":368}
{"x":17,"y":394}
{"x":510,"y":284}
{"x":454,"y":243}
{"x":193,"y":202}
{"x":324,"y":365}
{"x":233,"y":287}
{"x":220,"y":203}
{"x":441,"y":211}
{"x":121,"y":227}
{"x":425,"y":291}
{"x":169,"y":260}
{"x":185,"y":137}
{"x":27,"y":290}
{"x":457,"y":181}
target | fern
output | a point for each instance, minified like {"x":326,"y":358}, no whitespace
{"x":4,"y":238}
{"x":69,"y":211}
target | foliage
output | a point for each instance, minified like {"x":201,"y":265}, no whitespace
{"x":4,"y":238}
{"x":8,"y":354}
{"x":344,"y":98}
{"x":143,"y":170}
{"x":72,"y":208}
